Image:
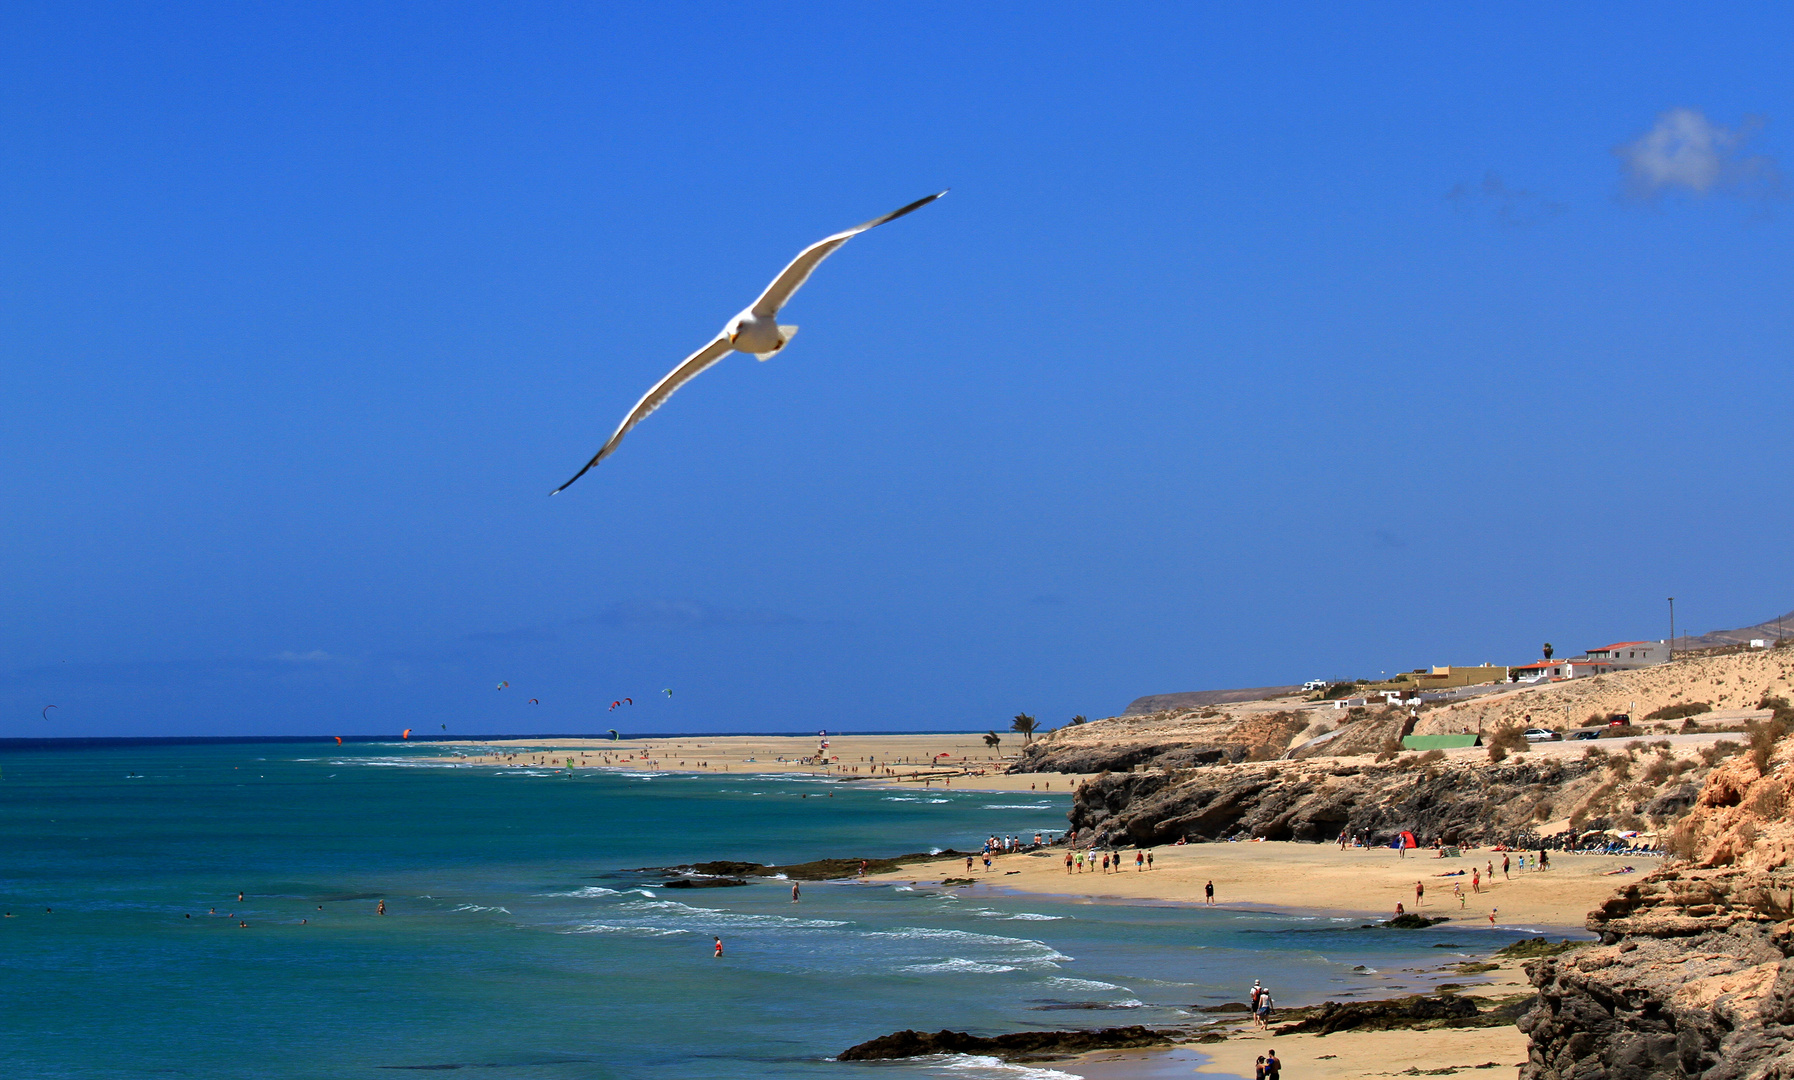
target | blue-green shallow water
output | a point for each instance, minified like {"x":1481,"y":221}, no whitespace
{"x":517,"y":945}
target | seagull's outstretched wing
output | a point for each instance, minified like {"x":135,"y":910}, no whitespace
{"x":651,"y":400}
{"x":792,"y":277}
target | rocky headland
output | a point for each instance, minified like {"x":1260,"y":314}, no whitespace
{"x":1694,"y":976}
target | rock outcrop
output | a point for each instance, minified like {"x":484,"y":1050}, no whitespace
{"x":1457,"y":802}
{"x":1018,"y":1046}
{"x":1694,"y":976}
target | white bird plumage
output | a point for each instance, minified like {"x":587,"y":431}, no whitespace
{"x":754,"y":331}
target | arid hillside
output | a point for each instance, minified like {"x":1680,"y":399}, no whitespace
{"x":1726,"y":682}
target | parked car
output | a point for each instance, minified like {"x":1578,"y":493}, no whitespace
{"x":1594,"y":734}
{"x":1539,"y":734}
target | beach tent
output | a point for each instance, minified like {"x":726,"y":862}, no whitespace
{"x":1408,"y":840}
{"x":1440,"y":742}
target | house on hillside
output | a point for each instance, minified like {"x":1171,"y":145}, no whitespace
{"x":1444,"y":678}
{"x":1632,"y":654}
{"x":1556,"y":670}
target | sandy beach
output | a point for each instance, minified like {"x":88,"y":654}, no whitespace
{"x":956,"y":760}
{"x":1365,"y":882}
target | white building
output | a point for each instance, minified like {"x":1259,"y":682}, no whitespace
{"x":1632,"y":654}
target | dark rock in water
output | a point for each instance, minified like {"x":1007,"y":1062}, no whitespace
{"x":1378,"y":1015}
{"x":818,"y":870}
{"x":704,"y":883}
{"x":1228,"y":1007}
{"x":724,"y":868}
{"x":1411,"y":921}
{"x":1021,"y":1045}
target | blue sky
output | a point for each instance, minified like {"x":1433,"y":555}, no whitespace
{"x":1251,"y":346}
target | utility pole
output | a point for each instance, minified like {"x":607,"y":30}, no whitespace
{"x":1672,"y":628}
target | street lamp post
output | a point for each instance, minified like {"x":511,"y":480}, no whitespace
{"x":1672,"y":628}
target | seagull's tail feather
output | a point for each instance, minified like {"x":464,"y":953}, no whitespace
{"x":786,"y":332}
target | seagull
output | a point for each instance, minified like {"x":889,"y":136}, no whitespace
{"x":755,"y":331}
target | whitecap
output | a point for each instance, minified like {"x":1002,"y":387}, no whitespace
{"x":588,"y":891}
{"x":1063,"y":982}
{"x":1016,"y":806}
{"x":980,"y":1067}
{"x":476,"y":907}
{"x":958,"y":964}
{"x":640,"y":931}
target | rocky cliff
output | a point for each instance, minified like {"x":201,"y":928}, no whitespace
{"x":1694,"y":976}
{"x":1457,"y":802}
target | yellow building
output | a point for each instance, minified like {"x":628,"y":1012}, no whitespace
{"x":1444,"y":678}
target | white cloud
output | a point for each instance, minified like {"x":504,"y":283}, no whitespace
{"x":1688,"y":153}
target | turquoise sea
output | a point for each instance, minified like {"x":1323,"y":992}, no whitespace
{"x":521,"y":942}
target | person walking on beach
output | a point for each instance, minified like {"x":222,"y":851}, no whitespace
{"x":1492,"y":913}
{"x":1139,"y":861}
{"x":1458,"y":891}
{"x":1208,"y":892}
{"x":718,"y":954}
{"x":1105,"y":862}
{"x":1264,"y":1012}
{"x":1504,"y":867}
{"x":1149,"y":860}
{"x":1273,"y":1067}
{"x":1476,"y":880}
{"x":1419,"y":894}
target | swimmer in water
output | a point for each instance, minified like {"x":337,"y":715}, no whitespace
{"x":719,"y":949}
{"x":381,"y":910}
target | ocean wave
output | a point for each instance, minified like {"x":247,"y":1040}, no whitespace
{"x":588,"y":891}
{"x":639,"y":931}
{"x":959,"y":965}
{"x":902,"y":798}
{"x":1016,"y":806}
{"x":980,"y":1067}
{"x":476,"y":907}
{"x":1064,"y":982}
{"x":1020,"y":916}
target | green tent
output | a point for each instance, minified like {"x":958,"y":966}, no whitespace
{"x":1440,"y":742}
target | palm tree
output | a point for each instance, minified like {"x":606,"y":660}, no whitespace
{"x":1026,"y":725}
{"x":991,"y":740}
{"x":1547,"y":650}
{"x":1078,"y":719}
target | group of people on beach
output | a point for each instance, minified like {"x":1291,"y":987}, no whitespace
{"x":1111,"y":861}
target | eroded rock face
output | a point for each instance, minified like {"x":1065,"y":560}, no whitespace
{"x":1693,"y":982}
{"x":1309,"y":801}
{"x":1694,"y":976}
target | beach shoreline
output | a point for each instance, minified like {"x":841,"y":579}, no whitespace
{"x":1286,"y":877}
